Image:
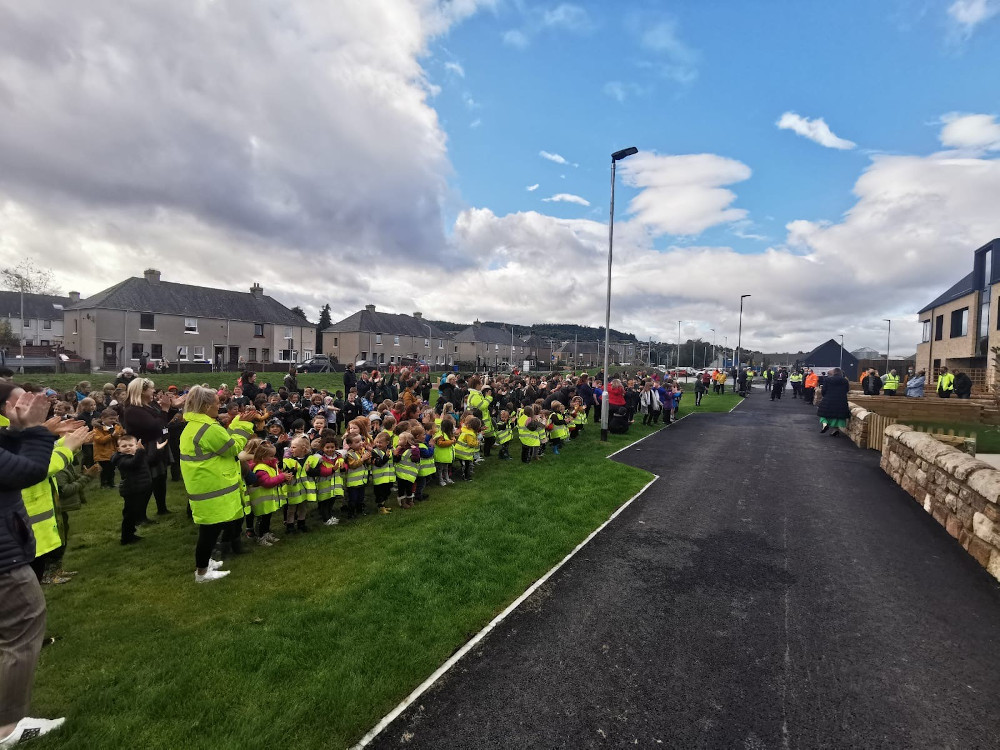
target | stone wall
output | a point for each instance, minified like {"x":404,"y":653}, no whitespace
{"x":858,"y":424}
{"x":959,"y":491}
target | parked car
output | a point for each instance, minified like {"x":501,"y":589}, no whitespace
{"x":318,"y":363}
{"x":367,"y":364}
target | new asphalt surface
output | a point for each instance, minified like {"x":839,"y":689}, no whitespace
{"x":773,"y":589}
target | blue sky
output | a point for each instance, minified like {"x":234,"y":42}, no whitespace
{"x":379,"y":152}
{"x":881,"y":74}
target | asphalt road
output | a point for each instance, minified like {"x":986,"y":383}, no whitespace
{"x":774,"y":589}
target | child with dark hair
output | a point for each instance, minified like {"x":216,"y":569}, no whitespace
{"x":136,"y":486}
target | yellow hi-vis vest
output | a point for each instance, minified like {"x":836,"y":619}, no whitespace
{"x":528,"y":438}
{"x":427,"y":467}
{"x":504,"y":433}
{"x":264,"y":500}
{"x":477,"y":400}
{"x":406,"y":469}
{"x":385,"y":474}
{"x":443,"y":455}
{"x":357,"y":477}
{"x":40,"y":503}
{"x":210,"y":467}
{"x":297,"y":491}
{"x":891,"y":383}
{"x":464,"y":448}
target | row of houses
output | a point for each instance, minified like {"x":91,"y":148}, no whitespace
{"x":163,"y":320}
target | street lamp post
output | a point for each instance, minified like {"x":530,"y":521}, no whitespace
{"x":615,"y":158}
{"x":888,"y":338}
{"x":841,"y":354}
{"x":739,"y":335}
{"x":713,"y":346}
{"x":677,"y":364}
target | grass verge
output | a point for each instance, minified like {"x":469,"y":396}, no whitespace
{"x":310,"y":642}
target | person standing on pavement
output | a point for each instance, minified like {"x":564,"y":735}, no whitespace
{"x":872,"y":383}
{"x":778,"y":386}
{"x":945,"y":384}
{"x":810,"y":384}
{"x":915,"y":385}
{"x":891,"y":383}
{"x":768,"y":379}
{"x":25,"y":448}
{"x":833,"y":409}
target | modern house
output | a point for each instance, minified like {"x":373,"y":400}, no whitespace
{"x":489,"y":347}
{"x":42,"y":322}
{"x":387,"y":339}
{"x":185,"y":323}
{"x":960,"y":326}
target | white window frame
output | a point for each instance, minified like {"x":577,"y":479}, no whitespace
{"x":395,"y":340}
{"x":190,"y":325}
{"x":288,"y":332}
{"x":261,"y":327}
{"x":307,"y":354}
{"x":182,"y":354}
{"x":378,"y":339}
{"x":441,"y":344}
{"x":195,"y":352}
{"x":46,"y":325}
{"x":427,"y":343}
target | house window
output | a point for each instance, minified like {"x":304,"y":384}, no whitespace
{"x":378,"y":339}
{"x":43,"y":342}
{"x":497,"y":348}
{"x":307,"y":354}
{"x":381,"y":358}
{"x":182,"y":353}
{"x":441,"y":344}
{"x":336,"y":342}
{"x":252,"y":354}
{"x":258,"y":330}
{"x":190,"y":325}
{"x":198,"y":352}
{"x":456,"y":350}
{"x":395,"y":340}
{"x":939,"y":327}
{"x":47,"y":325}
{"x":960,"y":323}
{"x":427,"y":343}
{"x":285,"y":355}
{"x":136,"y":350}
{"x":156,"y":351}
{"x":76,"y":325}
{"x":265,"y":354}
{"x":288,"y":332}
{"x":364,"y":356}
{"x":147,"y":322}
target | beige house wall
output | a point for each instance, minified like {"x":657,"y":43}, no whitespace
{"x":948,"y":347}
{"x":351,"y":346}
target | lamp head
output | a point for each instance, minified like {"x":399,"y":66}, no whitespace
{"x":625,"y":152}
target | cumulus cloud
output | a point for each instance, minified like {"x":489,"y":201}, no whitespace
{"x":815,"y":130}
{"x":969,"y":131}
{"x":968,"y":14}
{"x":515,"y":38}
{"x":567,"y":198}
{"x":532,"y":188}
{"x":684,"y":194}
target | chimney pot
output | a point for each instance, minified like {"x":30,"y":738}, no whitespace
{"x":152,"y":275}
{"x":257,"y":290}
{"x":418,"y":315}
{"x":370,"y":308}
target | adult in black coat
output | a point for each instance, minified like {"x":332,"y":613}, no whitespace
{"x":350,"y":379}
{"x":833,"y":410}
{"x":963,"y":385}
{"x":148,"y":422}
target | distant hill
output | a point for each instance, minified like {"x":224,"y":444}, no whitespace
{"x":558,"y":331}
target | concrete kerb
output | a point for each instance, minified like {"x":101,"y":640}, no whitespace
{"x":478,"y":637}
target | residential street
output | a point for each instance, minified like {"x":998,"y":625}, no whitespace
{"x":772,"y":589}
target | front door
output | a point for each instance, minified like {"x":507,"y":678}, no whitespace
{"x":234,"y":357}
{"x":219,"y":357}
{"x":110,"y":358}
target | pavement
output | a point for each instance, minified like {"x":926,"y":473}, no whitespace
{"x":773,"y":589}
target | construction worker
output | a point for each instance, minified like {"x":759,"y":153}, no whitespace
{"x":811,"y":382}
{"x":796,"y":380}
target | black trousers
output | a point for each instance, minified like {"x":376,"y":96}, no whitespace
{"x":697,"y":398}
{"x":382,"y":493}
{"x":208,"y":535}
{"x":107,"y":474}
{"x":263,"y":524}
{"x":133,"y":511}
{"x":160,"y":493}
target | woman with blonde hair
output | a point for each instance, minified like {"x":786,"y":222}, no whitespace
{"x":148,"y":422}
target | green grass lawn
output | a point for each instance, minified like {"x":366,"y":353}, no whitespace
{"x":987,"y":435}
{"x":310,"y":642}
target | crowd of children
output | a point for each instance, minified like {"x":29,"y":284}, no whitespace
{"x":320,"y":450}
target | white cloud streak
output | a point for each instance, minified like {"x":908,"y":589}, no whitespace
{"x":970,"y":131}
{"x":557,"y":158}
{"x":456,"y":68}
{"x":567,"y":198}
{"x":968,"y":14}
{"x":532,"y":188}
{"x":815,"y":130}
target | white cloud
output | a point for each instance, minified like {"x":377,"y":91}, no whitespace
{"x":476,"y":123}
{"x":685,"y":194}
{"x":566,"y":16}
{"x":668,"y":55}
{"x":567,"y":198}
{"x":621,"y":91}
{"x":557,"y":158}
{"x":532,"y":188}
{"x":815,"y":130}
{"x":968,"y":14}
{"x":456,"y":68}
{"x":515,"y":38}
{"x":969,"y":131}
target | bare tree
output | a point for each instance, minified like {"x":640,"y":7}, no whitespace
{"x":29,"y":279}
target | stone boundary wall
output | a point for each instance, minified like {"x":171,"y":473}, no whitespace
{"x":959,"y":491}
{"x":858,"y":424}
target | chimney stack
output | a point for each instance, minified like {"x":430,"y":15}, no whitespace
{"x":152,"y":275}
{"x":418,"y":315}
{"x":74,"y":297}
{"x":257,"y":291}
{"x":370,"y":308}
{"x":477,"y":323}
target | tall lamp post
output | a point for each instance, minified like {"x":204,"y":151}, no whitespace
{"x":713,"y":346}
{"x":739,"y":333}
{"x":615,"y":158}
{"x":888,"y":338}
{"x":841,"y":354}
{"x":677,"y":364}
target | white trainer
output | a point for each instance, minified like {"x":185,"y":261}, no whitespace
{"x":28,"y":728}
{"x":330,"y":522}
{"x":215,"y":564}
{"x":210,"y":575}
{"x":263,"y":542}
